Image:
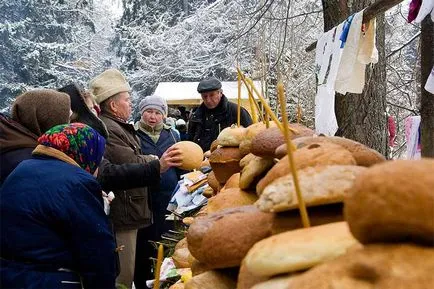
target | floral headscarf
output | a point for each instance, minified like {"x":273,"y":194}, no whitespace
{"x":78,"y":141}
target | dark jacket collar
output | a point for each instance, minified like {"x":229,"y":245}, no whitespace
{"x":221,"y":108}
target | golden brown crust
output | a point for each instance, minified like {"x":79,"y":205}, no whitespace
{"x":191,"y":153}
{"x":225,"y":161}
{"x":251,"y":131}
{"x":212,"y":181}
{"x":230,"y":198}
{"x":246,"y":279}
{"x":400,"y":266}
{"x":309,"y":156}
{"x":231,"y":136}
{"x":254,"y":171}
{"x":222,"y":239}
{"x":267,"y":141}
{"x":399,"y":198}
{"x":232,"y":182}
{"x":211,"y":280}
{"x":319,"y":185}
{"x":363,"y":155}
{"x":299,"y":249}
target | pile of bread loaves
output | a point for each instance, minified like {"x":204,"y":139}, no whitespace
{"x":372,"y":220}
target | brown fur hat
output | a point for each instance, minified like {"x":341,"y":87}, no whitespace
{"x":41,"y":109}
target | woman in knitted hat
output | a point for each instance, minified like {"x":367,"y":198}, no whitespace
{"x":155,"y":138}
{"x":53,"y":229}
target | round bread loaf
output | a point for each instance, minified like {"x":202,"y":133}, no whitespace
{"x":231,"y":136}
{"x":212,"y":182}
{"x":299,"y":249}
{"x":177,"y":286}
{"x":267,"y":141}
{"x":309,"y":156}
{"x":211,"y":280}
{"x":205,"y":163}
{"x":363,"y":155}
{"x":401,"y":266}
{"x":275,"y":283}
{"x":232,"y":182}
{"x":213,"y":146}
{"x":251,"y":131}
{"x":198,"y":268}
{"x":192,"y":155}
{"x":246,"y":279}
{"x":264,"y":144}
{"x":225,"y":161}
{"x":180,"y":255}
{"x":318,"y":185}
{"x":393,"y":202}
{"x":222,"y":239}
{"x":230,"y":198}
{"x":254,"y":171}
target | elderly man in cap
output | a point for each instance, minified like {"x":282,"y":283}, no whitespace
{"x":214,"y":114}
{"x":130,"y":210}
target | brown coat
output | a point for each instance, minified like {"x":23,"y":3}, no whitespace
{"x":130,"y":208}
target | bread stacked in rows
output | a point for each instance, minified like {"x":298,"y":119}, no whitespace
{"x":252,"y":235}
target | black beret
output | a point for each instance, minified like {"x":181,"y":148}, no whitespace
{"x":209,"y":84}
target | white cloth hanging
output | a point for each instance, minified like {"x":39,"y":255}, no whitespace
{"x":426,"y":8}
{"x":412,"y":137}
{"x":358,"y":51}
{"x":429,"y":85}
{"x":329,"y":55}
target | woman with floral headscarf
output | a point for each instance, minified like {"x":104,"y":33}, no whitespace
{"x":53,"y":229}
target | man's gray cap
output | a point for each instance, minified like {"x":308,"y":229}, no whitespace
{"x":209,"y":84}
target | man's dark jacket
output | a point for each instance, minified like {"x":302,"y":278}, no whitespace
{"x":205,"y":124}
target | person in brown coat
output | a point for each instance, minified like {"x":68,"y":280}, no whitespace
{"x":129,"y":210}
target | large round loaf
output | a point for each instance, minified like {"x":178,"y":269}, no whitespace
{"x":400,"y":266}
{"x":212,"y":181}
{"x":223,"y":239}
{"x":299,"y":249}
{"x":253,"y":171}
{"x":231,"y":136}
{"x":225,"y":161}
{"x":211,"y":280}
{"x":180,"y":255}
{"x":230,"y":198}
{"x":363,"y":155}
{"x":318,"y":185}
{"x":192,"y":155}
{"x":393,"y":201}
{"x":309,"y":156}
{"x":266,"y":142}
{"x":251,"y":131}
{"x":246,"y":279}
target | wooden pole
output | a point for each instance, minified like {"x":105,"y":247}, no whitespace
{"x":370,"y":12}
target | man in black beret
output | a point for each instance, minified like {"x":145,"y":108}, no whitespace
{"x":214,"y":114}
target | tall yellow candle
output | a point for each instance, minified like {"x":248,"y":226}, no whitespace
{"x":301,"y":204}
{"x":267,"y":108}
{"x":239,"y":100}
{"x":158,"y":267}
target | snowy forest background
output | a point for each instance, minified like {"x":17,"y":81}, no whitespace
{"x":50,"y":43}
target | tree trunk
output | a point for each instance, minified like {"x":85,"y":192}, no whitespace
{"x":427,"y":99}
{"x":362,"y":117}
